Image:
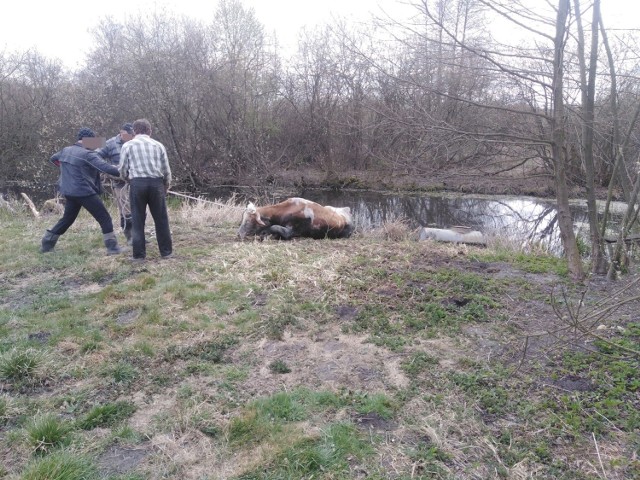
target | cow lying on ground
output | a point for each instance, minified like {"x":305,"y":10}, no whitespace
{"x":296,"y":217}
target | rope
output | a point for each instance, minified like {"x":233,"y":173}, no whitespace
{"x":203,"y":200}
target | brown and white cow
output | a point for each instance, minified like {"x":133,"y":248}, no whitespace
{"x":296,"y":217}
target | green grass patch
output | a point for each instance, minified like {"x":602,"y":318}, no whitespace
{"x":377,"y":403}
{"x":19,"y":365}
{"x":250,"y":427}
{"x":106,"y":415}
{"x":266,"y":417}
{"x":281,"y":406}
{"x":609,"y":393}
{"x":431,"y":459}
{"x":4,"y":410}
{"x":279,"y":366}
{"x":123,"y":372}
{"x":541,"y":263}
{"x":324,"y":457}
{"x":418,"y":363}
{"x":46,"y":432}
{"x":61,"y":465}
{"x":486,"y":387}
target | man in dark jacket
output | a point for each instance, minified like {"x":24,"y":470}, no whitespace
{"x":79,"y":183}
{"x":111,"y":153}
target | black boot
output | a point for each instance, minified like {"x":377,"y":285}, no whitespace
{"x":127,"y":230}
{"x":111,"y":242}
{"x":49,"y":241}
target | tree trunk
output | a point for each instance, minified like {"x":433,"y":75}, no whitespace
{"x":587,"y":87}
{"x":565,"y":222}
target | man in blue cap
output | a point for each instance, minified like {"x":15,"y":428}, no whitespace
{"x":80,"y":185}
{"x":111,"y":153}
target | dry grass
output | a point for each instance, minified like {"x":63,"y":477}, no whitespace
{"x":11,"y":206}
{"x":202,"y":212}
{"x":517,"y":242}
{"x":395,"y":229}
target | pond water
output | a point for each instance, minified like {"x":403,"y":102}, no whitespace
{"x":522,"y":220}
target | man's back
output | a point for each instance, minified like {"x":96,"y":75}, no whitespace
{"x":79,"y":171}
{"x":144,"y":161}
{"x":145,"y":157}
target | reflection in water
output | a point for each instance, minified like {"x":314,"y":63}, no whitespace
{"x":525,"y":221}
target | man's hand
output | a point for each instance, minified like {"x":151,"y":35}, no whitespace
{"x":106,"y":176}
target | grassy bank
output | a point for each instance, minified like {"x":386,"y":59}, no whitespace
{"x":374,"y":357}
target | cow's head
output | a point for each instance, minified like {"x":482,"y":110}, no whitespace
{"x":251,"y":223}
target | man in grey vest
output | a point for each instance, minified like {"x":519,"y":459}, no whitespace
{"x":111,"y":153}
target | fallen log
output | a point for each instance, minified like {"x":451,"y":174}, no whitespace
{"x":634,"y":237}
{"x":453,"y":235}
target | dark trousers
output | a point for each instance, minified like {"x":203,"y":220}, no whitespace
{"x":93,"y":204}
{"x":149,"y":192}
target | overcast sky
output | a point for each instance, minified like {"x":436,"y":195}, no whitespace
{"x":59,"y":28}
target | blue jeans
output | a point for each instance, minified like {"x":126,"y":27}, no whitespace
{"x":149,"y":192}
{"x":93,"y":204}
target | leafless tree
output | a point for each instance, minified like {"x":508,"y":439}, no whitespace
{"x":32,"y":97}
{"x":529,"y":100}
{"x":206,"y":86}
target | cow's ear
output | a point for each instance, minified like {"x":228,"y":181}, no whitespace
{"x":259,"y":220}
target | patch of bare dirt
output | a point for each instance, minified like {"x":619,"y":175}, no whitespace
{"x":330,"y":360}
{"x":336,"y":361}
{"x":120,"y":460}
{"x":22,"y":292}
{"x":128,"y":317}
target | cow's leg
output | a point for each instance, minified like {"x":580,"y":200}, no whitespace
{"x":278,"y":231}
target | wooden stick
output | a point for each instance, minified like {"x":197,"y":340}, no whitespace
{"x":599,"y":457}
{"x":30,"y":204}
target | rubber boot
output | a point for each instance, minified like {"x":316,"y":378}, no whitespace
{"x":111,"y":242}
{"x":127,"y":230}
{"x":49,"y":241}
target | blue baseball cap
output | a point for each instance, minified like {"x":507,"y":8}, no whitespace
{"x":85,"y":132}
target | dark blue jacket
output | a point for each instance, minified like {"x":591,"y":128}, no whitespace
{"x":111,"y":153}
{"x":111,"y":150}
{"x":80,"y":171}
